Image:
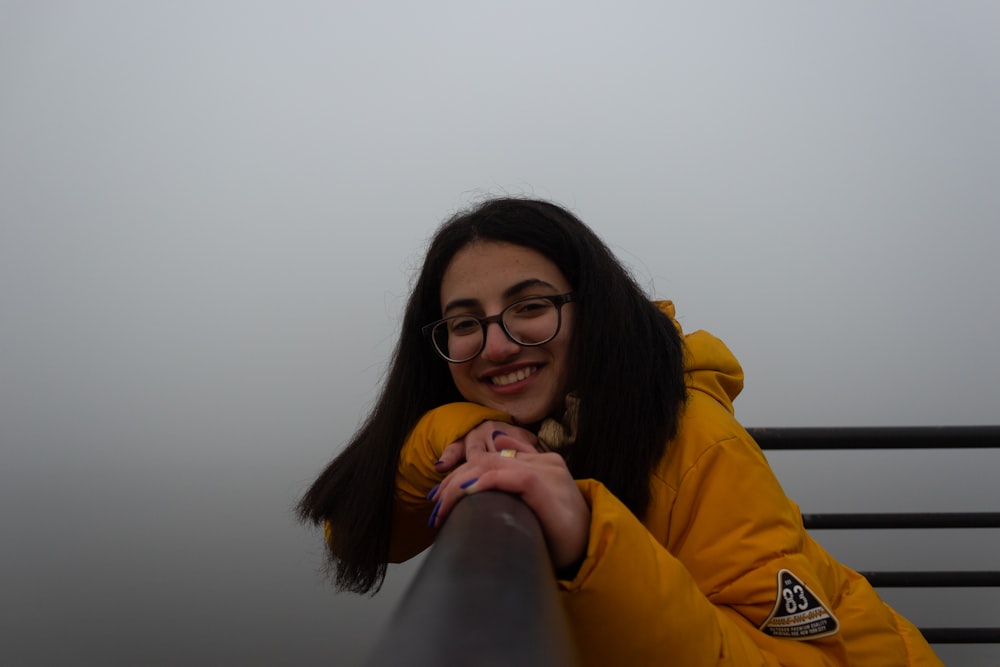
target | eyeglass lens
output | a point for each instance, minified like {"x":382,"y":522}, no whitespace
{"x":528,"y":322}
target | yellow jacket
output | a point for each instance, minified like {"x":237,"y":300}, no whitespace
{"x":720,"y":571}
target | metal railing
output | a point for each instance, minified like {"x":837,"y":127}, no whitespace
{"x":485,"y":595}
{"x":921,"y":437}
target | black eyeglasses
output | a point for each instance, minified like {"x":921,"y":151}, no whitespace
{"x":534,"y":320}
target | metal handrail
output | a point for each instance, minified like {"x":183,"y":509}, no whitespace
{"x":961,"y":635}
{"x":877,"y":437}
{"x":883,"y":520}
{"x":485,"y":595}
{"x":933,"y":578}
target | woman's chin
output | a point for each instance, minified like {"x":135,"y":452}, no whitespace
{"x":526,"y":416}
{"x":524,"y":410}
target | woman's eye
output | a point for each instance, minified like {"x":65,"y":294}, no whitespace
{"x":464,"y":326}
{"x":531,"y":308}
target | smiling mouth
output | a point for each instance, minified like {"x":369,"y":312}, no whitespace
{"x":516,"y":376}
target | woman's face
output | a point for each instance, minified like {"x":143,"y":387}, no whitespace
{"x":484,"y":277}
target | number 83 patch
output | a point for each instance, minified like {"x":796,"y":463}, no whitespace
{"x":798,"y":612}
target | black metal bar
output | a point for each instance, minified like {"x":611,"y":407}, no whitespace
{"x":877,"y":437}
{"x":485,"y":595}
{"x":961,"y":635}
{"x":933,"y":579}
{"x":838,"y":521}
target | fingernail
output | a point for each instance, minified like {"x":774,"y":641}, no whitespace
{"x":433,"y":491}
{"x":438,"y":463}
{"x":434,"y":515}
{"x":496,"y":433}
{"x":467,"y":483}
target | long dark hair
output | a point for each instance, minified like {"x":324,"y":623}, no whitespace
{"x":626,"y":367}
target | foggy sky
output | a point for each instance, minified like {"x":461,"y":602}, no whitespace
{"x":210,"y":214}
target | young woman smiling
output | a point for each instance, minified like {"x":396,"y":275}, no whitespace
{"x":530,"y":362}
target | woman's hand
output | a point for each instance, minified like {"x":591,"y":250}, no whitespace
{"x":488,"y":438}
{"x":542,"y":481}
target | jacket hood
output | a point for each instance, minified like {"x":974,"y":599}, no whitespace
{"x":709,"y":366}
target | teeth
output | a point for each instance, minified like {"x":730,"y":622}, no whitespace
{"x":516,"y":376}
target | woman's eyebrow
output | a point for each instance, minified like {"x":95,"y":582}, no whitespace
{"x":460,"y":303}
{"x":525,"y":284}
{"x":511,"y":291}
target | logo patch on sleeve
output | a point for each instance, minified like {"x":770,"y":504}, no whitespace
{"x":798,"y":613}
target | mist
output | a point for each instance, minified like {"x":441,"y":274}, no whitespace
{"x":211,"y":214}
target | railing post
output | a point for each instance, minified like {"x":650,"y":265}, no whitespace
{"x":485,"y":595}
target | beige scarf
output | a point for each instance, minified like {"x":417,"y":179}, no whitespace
{"x":557,"y":434}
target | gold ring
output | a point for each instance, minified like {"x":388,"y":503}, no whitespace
{"x":508,"y":453}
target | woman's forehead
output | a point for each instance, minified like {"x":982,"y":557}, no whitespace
{"x":492,"y":269}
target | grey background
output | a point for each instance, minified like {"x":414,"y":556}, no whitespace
{"x":210,"y":213}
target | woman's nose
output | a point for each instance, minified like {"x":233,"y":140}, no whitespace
{"x":499,"y":346}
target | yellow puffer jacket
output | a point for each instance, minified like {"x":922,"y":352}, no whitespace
{"x":719,"y":572}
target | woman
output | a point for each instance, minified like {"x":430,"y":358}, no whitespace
{"x":530,"y":362}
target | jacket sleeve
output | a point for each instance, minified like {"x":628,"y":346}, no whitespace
{"x":704,"y":601}
{"x":416,"y":476}
{"x":664,"y":614}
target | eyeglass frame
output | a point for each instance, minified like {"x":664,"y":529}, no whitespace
{"x":557,"y":300}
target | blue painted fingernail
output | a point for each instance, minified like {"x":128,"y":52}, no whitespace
{"x":438,"y":463}
{"x":433,"y":491}
{"x":496,"y":433}
{"x":434,"y":515}
{"x":466,"y":484}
